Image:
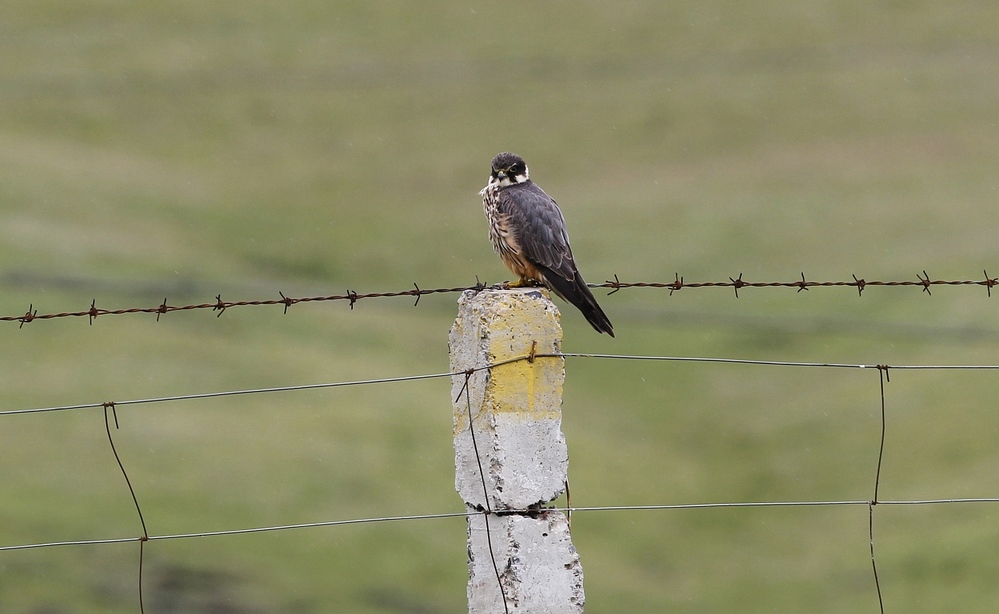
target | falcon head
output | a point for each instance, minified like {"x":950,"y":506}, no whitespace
{"x":508,"y":169}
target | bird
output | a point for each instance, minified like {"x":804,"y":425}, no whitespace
{"x":528,"y":232}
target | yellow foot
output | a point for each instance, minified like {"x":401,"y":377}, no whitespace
{"x":523,"y":282}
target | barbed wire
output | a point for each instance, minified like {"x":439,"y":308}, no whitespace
{"x":922,"y":281}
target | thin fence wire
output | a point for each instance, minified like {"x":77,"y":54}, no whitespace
{"x":526,"y":357}
{"x":736,"y":283}
{"x":669,"y":507}
{"x":485,"y":489}
{"x":922,"y":281}
{"x":224,"y":393}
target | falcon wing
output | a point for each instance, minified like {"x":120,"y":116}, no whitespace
{"x":538,"y":232}
{"x":538,"y":228}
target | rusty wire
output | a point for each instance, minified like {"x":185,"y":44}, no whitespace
{"x":221,"y":306}
{"x":737,"y":283}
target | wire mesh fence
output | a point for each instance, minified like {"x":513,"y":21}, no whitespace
{"x":879,"y":397}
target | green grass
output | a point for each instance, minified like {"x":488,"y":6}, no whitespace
{"x":186,"y":149}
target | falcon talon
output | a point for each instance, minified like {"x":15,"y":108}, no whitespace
{"x":528,"y":232}
{"x":525,"y":283}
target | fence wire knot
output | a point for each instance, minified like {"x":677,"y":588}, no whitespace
{"x":925,"y":280}
{"x":219,"y":305}
{"x":29,"y":316}
{"x":676,"y":285}
{"x":737,"y":283}
{"x":114,"y":413}
{"x":616,"y":284}
{"x":288,"y":302}
{"x":989,"y":282}
{"x":860,"y":285}
{"x":802,"y":285}
{"x":163,"y":308}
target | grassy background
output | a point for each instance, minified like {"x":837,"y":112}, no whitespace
{"x":185,"y":149}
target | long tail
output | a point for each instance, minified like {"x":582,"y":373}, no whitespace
{"x":576,"y":292}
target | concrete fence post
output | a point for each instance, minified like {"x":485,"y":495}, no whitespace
{"x":511,"y":458}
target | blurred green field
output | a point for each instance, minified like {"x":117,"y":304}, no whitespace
{"x":186,"y":149}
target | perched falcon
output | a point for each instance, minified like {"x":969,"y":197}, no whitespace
{"x":528,"y":232}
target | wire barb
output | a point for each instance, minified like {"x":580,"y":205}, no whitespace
{"x":925,"y":280}
{"x":288,"y":302}
{"x":219,"y":306}
{"x":861,"y":284}
{"x":989,"y":282}
{"x":29,"y":316}
{"x":616,"y":284}
{"x":737,"y":283}
{"x":676,"y":285}
{"x":163,"y":308}
{"x":804,"y":284}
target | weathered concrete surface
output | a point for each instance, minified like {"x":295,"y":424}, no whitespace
{"x":539,"y":567}
{"x":516,"y":408}
{"x":516,"y":417}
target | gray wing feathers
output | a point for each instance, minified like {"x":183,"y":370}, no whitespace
{"x":540,"y":232}
{"x":540,"y":228}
